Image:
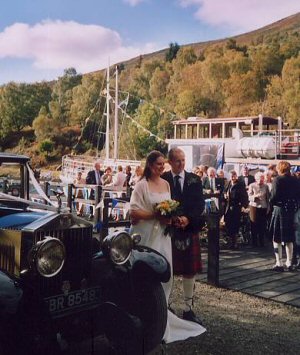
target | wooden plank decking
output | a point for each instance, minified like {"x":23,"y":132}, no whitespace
{"x":248,"y":270}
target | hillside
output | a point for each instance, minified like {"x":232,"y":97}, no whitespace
{"x":267,"y":33}
{"x":252,"y":73}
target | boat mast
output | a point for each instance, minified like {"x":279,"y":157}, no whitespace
{"x":116,"y":117}
{"x":107,"y":117}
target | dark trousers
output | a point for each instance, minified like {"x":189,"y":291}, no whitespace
{"x":258,"y":218}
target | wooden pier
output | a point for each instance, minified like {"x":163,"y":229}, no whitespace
{"x":248,"y":270}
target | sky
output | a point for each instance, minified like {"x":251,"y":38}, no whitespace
{"x":41,"y":38}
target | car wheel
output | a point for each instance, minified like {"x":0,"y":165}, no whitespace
{"x":152,"y":310}
{"x":147,"y":309}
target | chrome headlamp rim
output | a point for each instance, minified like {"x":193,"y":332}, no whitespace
{"x":112,"y":243}
{"x":39,"y":248}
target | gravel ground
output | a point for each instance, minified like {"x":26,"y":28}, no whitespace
{"x":237,"y":323}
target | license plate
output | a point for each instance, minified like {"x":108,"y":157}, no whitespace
{"x":73,"y":300}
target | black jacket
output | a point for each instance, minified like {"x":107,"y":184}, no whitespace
{"x":251,"y":179}
{"x":192,"y":201}
{"x":237,"y":195}
{"x":91,"y":177}
{"x":219,"y":184}
{"x":285,"y":188}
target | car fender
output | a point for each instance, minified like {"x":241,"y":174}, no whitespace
{"x":123,"y":329}
{"x":10,"y":295}
{"x":149,"y":263}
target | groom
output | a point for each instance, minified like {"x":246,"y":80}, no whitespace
{"x":187,"y":189}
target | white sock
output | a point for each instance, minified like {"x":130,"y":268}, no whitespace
{"x":289,"y":253}
{"x":188,"y":292}
{"x":278,"y":253}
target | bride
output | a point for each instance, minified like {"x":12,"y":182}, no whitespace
{"x":152,"y":189}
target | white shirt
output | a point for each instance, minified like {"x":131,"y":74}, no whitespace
{"x":212,"y":183}
{"x":119,"y":180}
{"x":98,"y":177}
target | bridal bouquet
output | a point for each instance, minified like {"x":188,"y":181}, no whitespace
{"x":168,"y":209}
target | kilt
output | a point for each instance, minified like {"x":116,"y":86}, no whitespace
{"x":188,"y":261}
{"x":281,"y":228}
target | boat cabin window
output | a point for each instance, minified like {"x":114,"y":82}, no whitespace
{"x":216,"y":130}
{"x":246,"y":129}
{"x":180,"y":131}
{"x":191,"y":131}
{"x":228,"y":129}
{"x":204,"y":130}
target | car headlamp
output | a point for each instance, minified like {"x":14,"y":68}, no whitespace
{"x":48,"y":256}
{"x":118,"y":246}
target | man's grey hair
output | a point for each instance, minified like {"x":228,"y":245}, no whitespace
{"x":211,"y":169}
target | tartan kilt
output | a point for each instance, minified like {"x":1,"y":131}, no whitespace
{"x":187,"y":262}
{"x":281,"y":228}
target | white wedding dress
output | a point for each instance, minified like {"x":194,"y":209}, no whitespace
{"x":152,"y":233}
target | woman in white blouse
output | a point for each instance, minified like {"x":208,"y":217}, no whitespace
{"x":259,"y":196}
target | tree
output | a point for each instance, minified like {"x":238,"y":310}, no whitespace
{"x":291,"y":95}
{"x":231,"y":44}
{"x":47,"y":147}
{"x":185,"y":56}
{"x":141,"y":78}
{"x":241,"y":91}
{"x":85,"y":97}
{"x":144,"y":132}
{"x":191,"y":104}
{"x":158,"y":84}
{"x":20,"y":104}
{"x":172,"y":51}
{"x":62,"y":93}
{"x":44,"y":126}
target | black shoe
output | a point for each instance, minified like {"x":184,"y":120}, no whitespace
{"x":277,"y":268}
{"x":290,"y":268}
{"x":191,"y":316}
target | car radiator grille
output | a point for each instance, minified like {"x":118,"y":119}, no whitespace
{"x":78,"y":245}
{"x":7,"y":258}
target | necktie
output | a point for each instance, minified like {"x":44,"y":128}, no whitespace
{"x":177,"y":188}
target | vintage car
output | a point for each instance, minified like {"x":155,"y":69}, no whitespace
{"x":58,"y":282}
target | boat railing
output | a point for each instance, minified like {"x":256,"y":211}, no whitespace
{"x":84,"y":196}
{"x":287,"y":141}
{"x":71,"y":165}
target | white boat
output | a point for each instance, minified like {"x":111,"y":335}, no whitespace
{"x":71,"y":164}
{"x":229,"y":143}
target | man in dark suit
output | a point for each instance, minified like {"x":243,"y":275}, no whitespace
{"x":213,"y":183}
{"x":187,"y":189}
{"x":94,"y":177}
{"x":246,"y":178}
